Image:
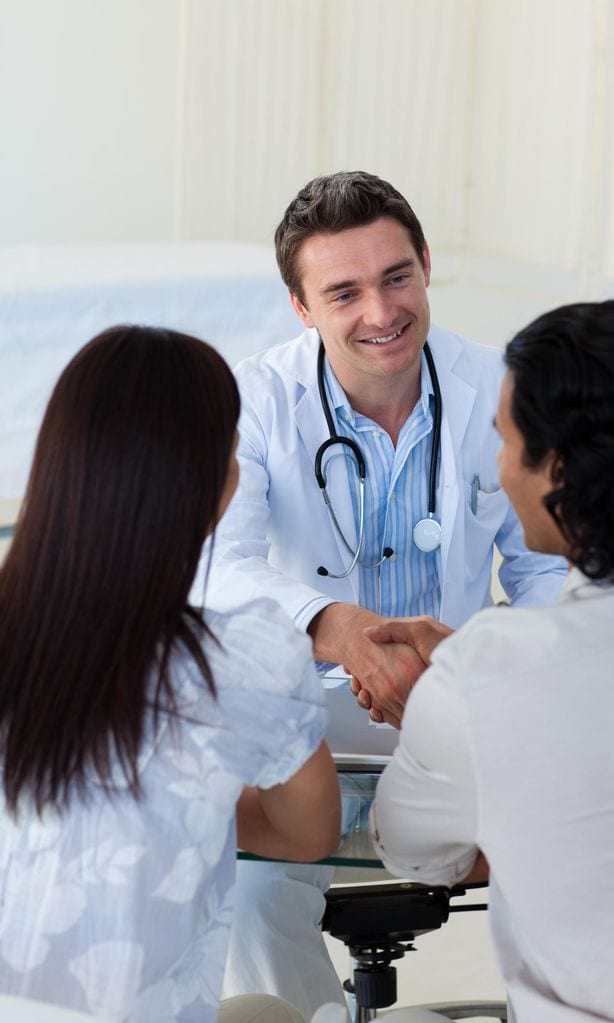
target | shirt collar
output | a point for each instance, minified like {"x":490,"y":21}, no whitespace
{"x":339,"y":399}
{"x":577,"y":585}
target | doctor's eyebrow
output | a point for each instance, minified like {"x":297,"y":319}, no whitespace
{"x":341,"y":286}
{"x":403,"y":264}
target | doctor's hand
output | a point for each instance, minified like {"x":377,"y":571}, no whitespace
{"x":386,"y":670}
{"x":422,"y":633}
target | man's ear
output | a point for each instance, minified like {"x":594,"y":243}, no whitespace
{"x":301,"y":311}
{"x":427,"y":264}
{"x":555,"y":466}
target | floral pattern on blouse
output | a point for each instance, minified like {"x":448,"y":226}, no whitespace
{"x":121,"y":908}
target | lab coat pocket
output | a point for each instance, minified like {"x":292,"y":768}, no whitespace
{"x":482,"y":527}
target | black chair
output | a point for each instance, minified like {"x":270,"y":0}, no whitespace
{"x":379,"y":923}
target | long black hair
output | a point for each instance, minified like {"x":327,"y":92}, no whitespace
{"x":562,"y":367}
{"x":128,"y":472}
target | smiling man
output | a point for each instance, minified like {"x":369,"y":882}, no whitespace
{"x":368,"y":491}
{"x":506,"y":762}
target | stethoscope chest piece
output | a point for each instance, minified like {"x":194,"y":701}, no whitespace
{"x":427,"y":535}
{"x":427,"y":532}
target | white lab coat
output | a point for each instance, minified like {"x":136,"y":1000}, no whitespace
{"x":277,"y":530}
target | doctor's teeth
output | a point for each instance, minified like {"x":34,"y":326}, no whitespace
{"x":384,"y":340}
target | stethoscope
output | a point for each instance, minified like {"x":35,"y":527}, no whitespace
{"x":426,"y":532}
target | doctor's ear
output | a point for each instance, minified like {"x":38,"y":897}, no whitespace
{"x":426,"y":256}
{"x":301,"y":311}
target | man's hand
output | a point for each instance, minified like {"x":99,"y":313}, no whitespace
{"x":386,"y":669}
{"x":422,"y":633}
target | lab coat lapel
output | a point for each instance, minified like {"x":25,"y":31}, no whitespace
{"x":313,"y":430}
{"x":458,"y":398}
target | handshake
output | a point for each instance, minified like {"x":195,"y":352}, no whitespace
{"x":384,"y":656}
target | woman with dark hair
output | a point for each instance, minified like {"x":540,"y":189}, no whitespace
{"x":505,"y":765}
{"x":131,"y":726}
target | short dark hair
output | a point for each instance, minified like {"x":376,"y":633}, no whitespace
{"x":562,"y":368}
{"x":130,"y":465}
{"x":334,"y":203}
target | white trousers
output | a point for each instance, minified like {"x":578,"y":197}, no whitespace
{"x":276,"y":944}
{"x":257,"y":1009}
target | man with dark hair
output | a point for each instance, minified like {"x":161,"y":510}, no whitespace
{"x":389,"y":419}
{"x":506,"y":760}
{"x":336,"y":203}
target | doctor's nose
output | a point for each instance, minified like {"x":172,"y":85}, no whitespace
{"x":379,"y":312}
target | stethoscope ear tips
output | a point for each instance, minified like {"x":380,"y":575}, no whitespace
{"x":322,"y":570}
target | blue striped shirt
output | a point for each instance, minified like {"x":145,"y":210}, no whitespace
{"x":396,"y":497}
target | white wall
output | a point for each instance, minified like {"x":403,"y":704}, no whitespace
{"x":199,"y":119}
{"x":88,"y":109}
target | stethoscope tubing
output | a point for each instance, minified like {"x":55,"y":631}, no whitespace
{"x":436,"y":430}
{"x":354,"y":447}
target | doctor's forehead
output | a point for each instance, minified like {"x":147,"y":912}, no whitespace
{"x":332,"y":260}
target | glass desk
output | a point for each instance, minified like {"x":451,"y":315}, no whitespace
{"x":355,"y":850}
{"x":378,"y":922}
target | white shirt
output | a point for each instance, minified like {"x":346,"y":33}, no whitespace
{"x":396,"y":497}
{"x":507,"y":746}
{"x":123,"y":909}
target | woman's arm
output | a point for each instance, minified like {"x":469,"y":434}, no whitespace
{"x":298,"y":820}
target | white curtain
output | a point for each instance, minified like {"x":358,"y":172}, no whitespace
{"x":199,"y":119}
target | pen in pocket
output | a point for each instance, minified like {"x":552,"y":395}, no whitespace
{"x":475,"y":486}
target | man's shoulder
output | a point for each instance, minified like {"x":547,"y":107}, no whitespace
{"x":292,"y":359}
{"x":453,"y":350}
{"x":479,"y":365}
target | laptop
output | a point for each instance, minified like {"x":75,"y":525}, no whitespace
{"x":356,"y":742}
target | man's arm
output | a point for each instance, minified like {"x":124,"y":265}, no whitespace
{"x":386,"y":665}
{"x":424,"y":819}
{"x":480,"y":871}
{"x":240,"y":567}
{"x":422,"y":634}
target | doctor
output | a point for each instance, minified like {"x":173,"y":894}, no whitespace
{"x":416,"y":539}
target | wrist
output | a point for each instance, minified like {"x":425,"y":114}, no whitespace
{"x":336,"y":630}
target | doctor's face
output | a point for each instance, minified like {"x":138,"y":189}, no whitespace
{"x":526,"y":486}
{"x":365,"y":290}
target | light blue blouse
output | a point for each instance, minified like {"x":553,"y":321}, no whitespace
{"x":123,"y":909}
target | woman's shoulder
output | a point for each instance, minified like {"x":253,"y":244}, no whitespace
{"x":268,"y":715}
{"x":257,"y":646}
{"x":260,"y":632}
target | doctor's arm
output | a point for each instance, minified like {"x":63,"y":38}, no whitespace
{"x":240,"y":569}
{"x":389,"y":673}
{"x":372,"y":650}
{"x":529,"y":579}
